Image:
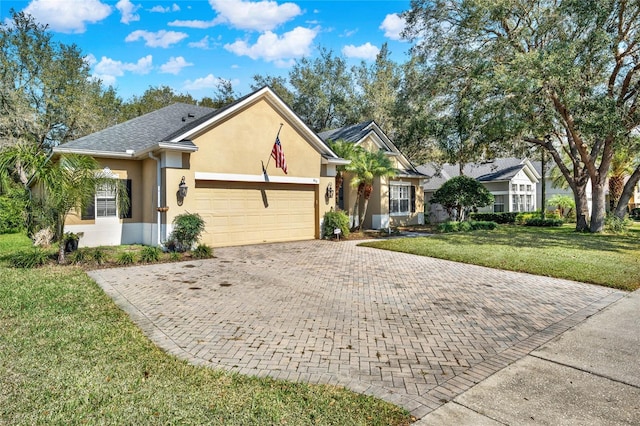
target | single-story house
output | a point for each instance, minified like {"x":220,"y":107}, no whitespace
{"x":512,"y":181}
{"x":214,"y":162}
{"x":395,"y":201}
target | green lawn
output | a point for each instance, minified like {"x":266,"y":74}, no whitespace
{"x":68,"y":355}
{"x":605,"y":259}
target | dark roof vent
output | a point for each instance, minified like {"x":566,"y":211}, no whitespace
{"x":191,"y":115}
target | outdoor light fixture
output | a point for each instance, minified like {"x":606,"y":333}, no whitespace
{"x":182,"y":191}
{"x":329,"y":193}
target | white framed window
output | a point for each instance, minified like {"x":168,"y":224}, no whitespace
{"x":528,"y":188}
{"x":521,"y":188}
{"x":498,"y":204}
{"x":529,"y":205}
{"x":399,"y":199}
{"x":106,"y":202}
{"x":514,"y":187}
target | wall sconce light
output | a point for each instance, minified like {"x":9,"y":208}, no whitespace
{"x":329,"y":193}
{"x":182,"y":191}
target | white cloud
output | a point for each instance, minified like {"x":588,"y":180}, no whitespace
{"x":192,"y":23}
{"x":200,"y":44}
{"x":161,"y":9}
{"x":128,"y":11}
{"x":174,"y":66}
{"x":393,"y":25}
{"x":365,"y":51}
{"x":278,"y":49}
{"x":263,"y":15}
{"x":108,"y":69}
{"x":68,"y":16}
{"x":160,"y":39}
{"x":208,"y":82}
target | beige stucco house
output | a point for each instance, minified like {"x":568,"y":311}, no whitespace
{"x":395,"y":201}
{"x":219,"y":155}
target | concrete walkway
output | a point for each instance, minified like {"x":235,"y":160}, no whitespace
{"x":415,"y":331}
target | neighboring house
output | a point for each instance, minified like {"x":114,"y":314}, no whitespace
{"x":512,"y":181}
{"x":395,"y":201}
{"x":219,"y":156}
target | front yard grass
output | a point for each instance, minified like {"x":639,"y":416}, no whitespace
{"x":68,"y":355}
{"x":604,"y":259}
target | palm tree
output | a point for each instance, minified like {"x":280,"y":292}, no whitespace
{"x":366,"y":166}
{"x":621,"y":167}
{"x":59,"y":185}
{"x":348,"y":151}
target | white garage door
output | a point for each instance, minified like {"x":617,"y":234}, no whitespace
{"x":249,"y":213}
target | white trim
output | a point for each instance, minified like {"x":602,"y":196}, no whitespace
{"x":232,"y":177}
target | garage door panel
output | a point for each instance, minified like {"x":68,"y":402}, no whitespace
{"x":248,"y":213}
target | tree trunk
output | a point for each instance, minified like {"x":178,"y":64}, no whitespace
{"x":598,"y":207}
{"x":61,"y":252}
{"x":339,"y":180}
{"x":582,"y":206}
{"x":356,"y":205}
{"x":616,"y":186}
{"x":366,"y":192}
{"x":620,"y":209}
{"x":543,"y":187}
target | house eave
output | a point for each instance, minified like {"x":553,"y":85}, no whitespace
{"x":128,"y":154}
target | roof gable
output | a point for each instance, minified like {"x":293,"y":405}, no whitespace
{"x":358,"y":133}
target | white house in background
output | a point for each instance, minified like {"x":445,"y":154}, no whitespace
{"x":512,"y":181}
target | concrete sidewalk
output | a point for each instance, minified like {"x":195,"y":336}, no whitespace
{"x":589,"y":375}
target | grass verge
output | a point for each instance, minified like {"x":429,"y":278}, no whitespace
{"x":68,"y":355}
{"x":604,"y":259}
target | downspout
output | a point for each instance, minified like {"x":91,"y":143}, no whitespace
{"x":158,"y":181}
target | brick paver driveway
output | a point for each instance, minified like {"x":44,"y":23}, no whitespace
{"x":412,"y":330}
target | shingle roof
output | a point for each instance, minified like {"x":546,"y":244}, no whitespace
{"x":142,"y":132}
{"x":499,"y":169}
{"x":353,"y":133}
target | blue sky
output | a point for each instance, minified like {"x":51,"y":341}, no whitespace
{"x":189,"y":45}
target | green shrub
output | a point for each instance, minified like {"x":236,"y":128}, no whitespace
{"x":12,"y":213}
{"x":613,"y":223}
{"x":203,"y":251}
{"x":448,"y":227}
{"x":150,"y":254}
{"x":522,"y":217}
{"x":125,"y":258}
{"x":335,"y":220}
{"x":538,"y":221}
{"x":174,"y":256}
{"x":29,"y":258}
{"x":502,"y":217}
{"x":466,"y":226}
{"x":80,"y":256}
{"x":483,"y":224}
{"x":98,"y":255}
{"x":187,"y":228}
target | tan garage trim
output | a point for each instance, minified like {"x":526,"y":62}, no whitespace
{"x":237,"y":213}
{"x":232,"y":177}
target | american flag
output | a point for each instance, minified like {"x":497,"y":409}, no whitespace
{"x":278,"y":155}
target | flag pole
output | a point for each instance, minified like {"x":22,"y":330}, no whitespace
{"x":264,"y":169}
